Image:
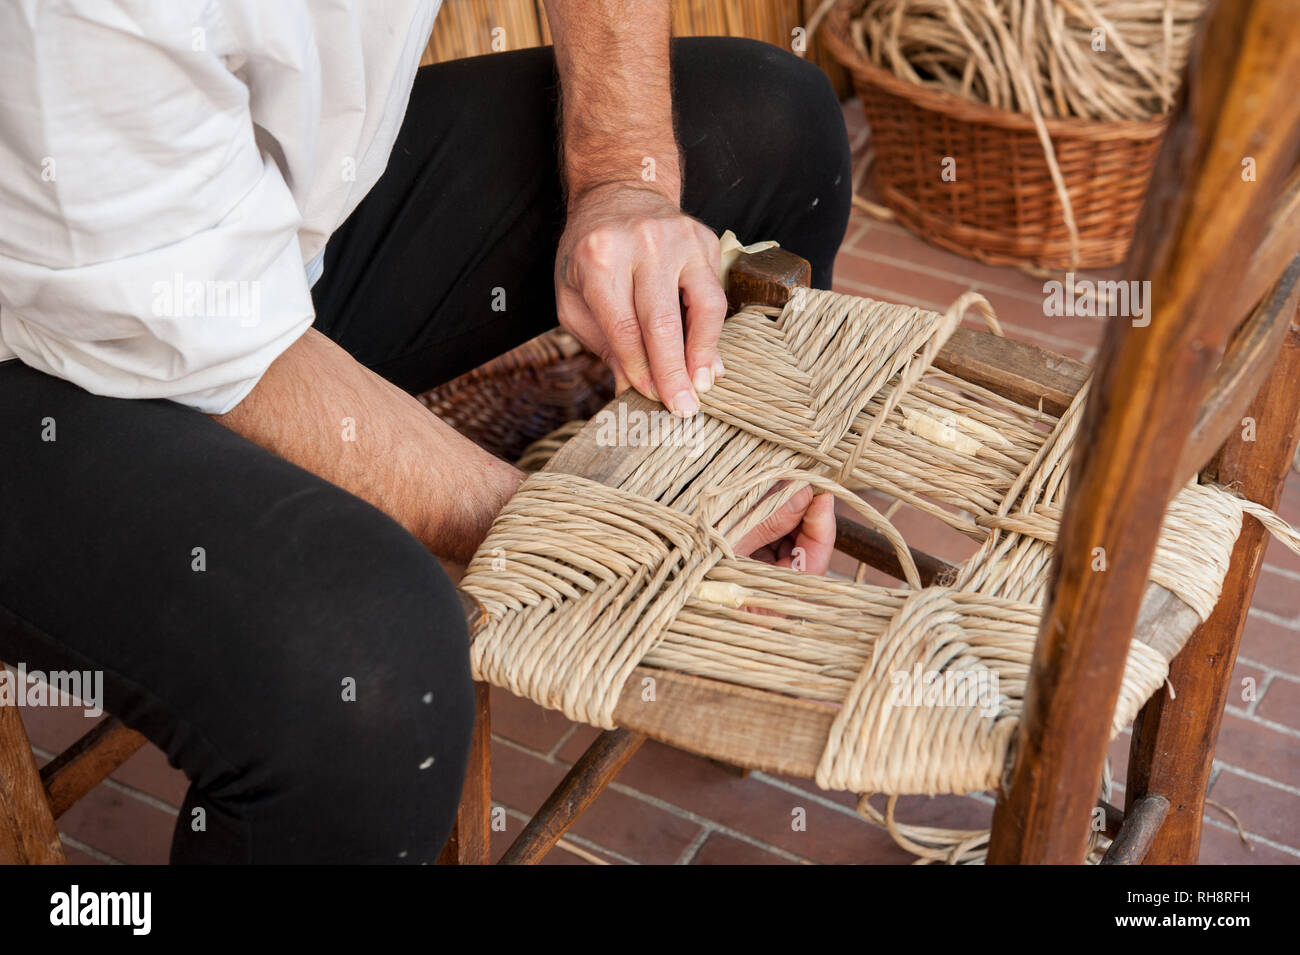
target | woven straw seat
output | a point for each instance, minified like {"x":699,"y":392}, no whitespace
{"x":580,"y":582}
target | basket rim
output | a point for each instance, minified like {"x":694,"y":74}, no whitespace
{"x":836,"y":34}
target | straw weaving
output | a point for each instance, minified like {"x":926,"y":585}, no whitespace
{"x":581,"y":582}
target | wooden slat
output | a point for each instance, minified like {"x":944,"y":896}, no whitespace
{"x":1198,"y":228}
{"x":756,"y":729}
{"x":1114,"y":818}
{"x":27,"y":831}
{"x":1024,"y":373}
{"x":88,"y":762}
{"x":765,"y":278}
{"x":768,"y":731}
{"x":587,"y":779}
{"x":1277,"y":248}
{"x":1240,"y":375}
{"x":585,"y":455}
{"x":874,"y":549}
{"x":1173,"y":738}
{"x":1141,"y":823}
{"x":471,"y":836}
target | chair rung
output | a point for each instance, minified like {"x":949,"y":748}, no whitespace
{"x":88,"y":762}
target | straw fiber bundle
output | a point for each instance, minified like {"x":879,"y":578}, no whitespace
{"x":1051,"y":111}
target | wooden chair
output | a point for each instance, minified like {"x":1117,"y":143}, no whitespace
{"x":31,"y":799}
{"x":1168,"y":401}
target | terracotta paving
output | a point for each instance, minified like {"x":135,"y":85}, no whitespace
{"x":671,"y":807}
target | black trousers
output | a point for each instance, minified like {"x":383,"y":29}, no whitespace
{"x":291,"y":648}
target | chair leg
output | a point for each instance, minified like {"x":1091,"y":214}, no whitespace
{"x":470,"y":842}
{"x":28,"y":835}
{"x":1173,"y":738}
{"x":88,"y":762}
{"x":595,"y":770}
{"x":1194,"y":240}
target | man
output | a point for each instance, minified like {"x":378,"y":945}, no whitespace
{"x":237,"y":236}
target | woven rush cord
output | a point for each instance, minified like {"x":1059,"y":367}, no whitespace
{"x":1037,"y":57}
{"x":580,"y":582}
{"x":824,"y":356}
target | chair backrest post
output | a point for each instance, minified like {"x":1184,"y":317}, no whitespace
{"x":1195,"y":239}
{"x":28,"y":834}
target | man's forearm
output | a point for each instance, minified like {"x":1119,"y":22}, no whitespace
{"x":612,"y":57}
{"x":319,"y":408}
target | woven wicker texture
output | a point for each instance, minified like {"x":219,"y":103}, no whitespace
{"x":510,"y":402}
{"x":580,"y":582}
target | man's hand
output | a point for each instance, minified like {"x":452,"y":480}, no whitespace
{"x":800,"y":534}
{"x":630,"y":267}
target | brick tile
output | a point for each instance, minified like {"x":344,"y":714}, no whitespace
{"x":920,"y":530}
{"x":892,"y":242}
{"x":149,"y":771}
{"x":619,"y":822}
{"x":562,"y":856}
{"x":558,"y":856}
{"x":1223,"y":847}
{"x":945,"y":812}
{"x":1018,"y":313}
{"x":1279,"y":594}
{"x":1258,"y":748}
{"x":721,"y":849}
{"x":77,"y":857}
{"x":55,"y":728}
{"x":750,"y":805}
{"x":955,"y":812}
{"x":1271,"y":644}
{"x":1239,"y":691}
{"x":1277,"y":557}
{"x":933,"y":536}
{"x":1117,"y":750}
{"x":893,"y":283}
{"x":1264,"y":810}
{"x":847,"y":800}
{"x":525,"y":722}
{"x":1281,"y":704}
{"x":1289,"y":506}
{"x":121,"y":825}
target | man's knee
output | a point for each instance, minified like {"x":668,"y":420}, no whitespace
{"x":771,"y":96}
{"x":359,"y":737}
{"x":766,"y":150}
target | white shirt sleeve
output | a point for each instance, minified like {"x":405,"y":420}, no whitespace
{"x":149,"y":246}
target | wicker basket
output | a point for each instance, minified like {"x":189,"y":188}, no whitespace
{"x":1002,"y":207}
{"x":510,"y":402}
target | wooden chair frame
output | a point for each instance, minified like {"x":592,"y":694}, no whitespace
{"x":1168,"y":398}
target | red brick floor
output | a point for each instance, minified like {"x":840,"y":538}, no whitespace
{"x":671,"y":807}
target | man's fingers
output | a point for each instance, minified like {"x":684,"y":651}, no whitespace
{"x":815,"y":542}
{"x":613,"y":307}
{"x":777,"y":524}
{"x":706,"y":307}
{"x":659,"y":312}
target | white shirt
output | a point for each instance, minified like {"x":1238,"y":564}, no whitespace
{"x":170,"y":171}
